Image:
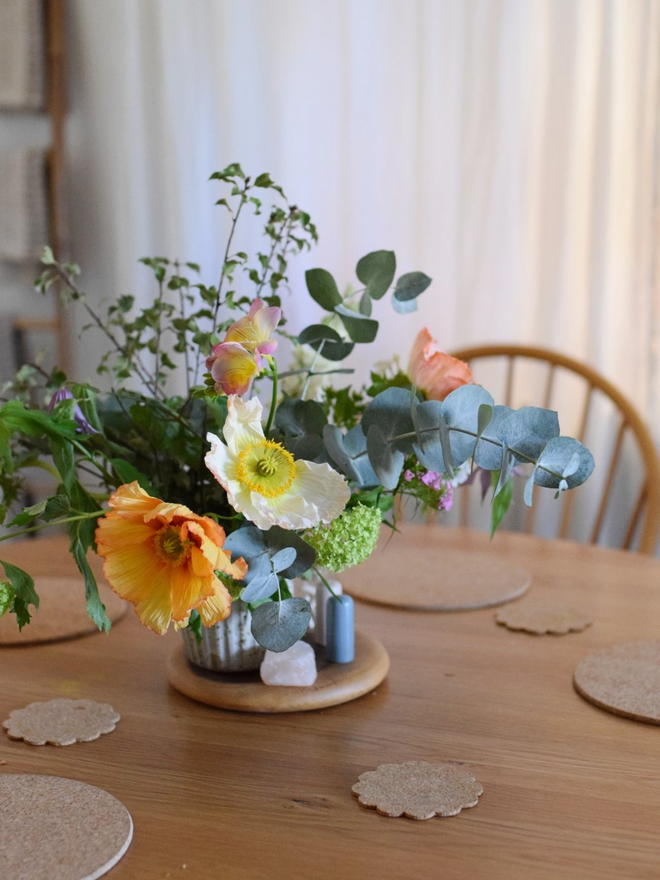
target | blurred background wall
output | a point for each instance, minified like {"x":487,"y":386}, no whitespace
{"x":508,"y":148}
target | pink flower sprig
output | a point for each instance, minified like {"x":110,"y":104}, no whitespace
{"x":430,"y":488}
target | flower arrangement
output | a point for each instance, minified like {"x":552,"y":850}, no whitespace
{"x":199,"y":482}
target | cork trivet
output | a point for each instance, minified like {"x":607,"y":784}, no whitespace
{"x":61,"y":613}
{"x":538,"y":617}
{"x":435,"y":579}
{"x":61,"y":722}
{"x":59,"y":829}
{"x":623,"y":679}
{"x":417,"y":790}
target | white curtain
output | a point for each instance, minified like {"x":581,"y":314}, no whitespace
{"x":508,"y":148}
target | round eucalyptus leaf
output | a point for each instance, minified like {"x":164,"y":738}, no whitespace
{"x":410,"y":285}
{"x":488,"y":450}
{"x":283,"y":558}
{"x":376,"y":271}
{"x":322,"y":288}
{"x":326,"y":340}
{"x":358,"y":327}
{"x":460,"y":410}
{"x":260,"y":587}
{"x":348,"y":453}
{"x":527,"y":430}
{"x":558,"y":457}
{"x":390,"y":411}
{"x":278,"y":625}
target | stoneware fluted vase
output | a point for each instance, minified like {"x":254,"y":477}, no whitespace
{"x":228,"y":646}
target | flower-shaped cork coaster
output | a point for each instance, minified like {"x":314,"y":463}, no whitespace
{"x":623,"y":679}
{"x":538,"y":617}
{"x":61,"y":722}
{"x":59,"y":829}
{"x":417,"y":790}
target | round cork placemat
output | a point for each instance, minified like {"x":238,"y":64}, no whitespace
{"x":59,"y":829}
{"x":623,"y":679}
{"x":435,"y":579}
{"x":61,"y":613}
{"x":245,"y":692}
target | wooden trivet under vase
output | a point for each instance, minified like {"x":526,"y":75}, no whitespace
{"x":61,"y":613}
{"x":59,"y":829}
{"x":245,"y":692}
{"x":623,"y":679}
{"x":435,"y":578}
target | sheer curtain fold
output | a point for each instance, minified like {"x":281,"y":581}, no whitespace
{"x":509,"y":148}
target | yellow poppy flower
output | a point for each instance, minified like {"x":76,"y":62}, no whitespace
{"x":262,"y":479}
{"x":163,"y":558}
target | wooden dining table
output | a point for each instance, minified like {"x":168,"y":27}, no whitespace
{"x":570,"y":791}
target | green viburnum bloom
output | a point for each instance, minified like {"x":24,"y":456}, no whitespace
{"x":7,"y":596}
{"x":347,"y":540}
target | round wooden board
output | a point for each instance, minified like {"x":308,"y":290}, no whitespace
{"x":623,"y":679}
{"x":245,"y":692}
{"x":59,"y":829}
{"x":435,"y":579}
{"x":61,"y":613}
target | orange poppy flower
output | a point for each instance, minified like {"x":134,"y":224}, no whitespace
{"x":163,"y":558}
{"x":433,"y":371}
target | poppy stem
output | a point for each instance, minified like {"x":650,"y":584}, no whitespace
{"x":273,"y":402}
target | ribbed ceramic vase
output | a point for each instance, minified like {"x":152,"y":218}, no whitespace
{"x":228,"y":646}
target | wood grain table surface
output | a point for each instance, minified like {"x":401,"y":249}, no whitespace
{"x":570,"y":791}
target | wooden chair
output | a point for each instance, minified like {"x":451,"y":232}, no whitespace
{"x":600,"y":500}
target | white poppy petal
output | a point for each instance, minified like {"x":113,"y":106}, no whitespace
{"x":242,"y":500}
{"x":323,"y":487}
{"x":287,"y":511}
{"x":242,"y":426}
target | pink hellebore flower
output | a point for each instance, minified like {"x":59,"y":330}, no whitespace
{"x":237,"y":360}
{"x":233,"y":368}
{"x":253,"y":331}
{"x":433,"y":371}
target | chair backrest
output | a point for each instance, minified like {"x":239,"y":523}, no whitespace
{"x":618,"y":513}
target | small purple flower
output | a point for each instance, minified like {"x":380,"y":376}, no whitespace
{"x":408,"y":475}
{"x":447,"y":499}
{"x":433,"y":480}
{"x":84,"y":426}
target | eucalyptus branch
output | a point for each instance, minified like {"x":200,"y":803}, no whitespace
{"x":289,"y":373}
{"x":483,"y":439}
{"x":310,"y":372}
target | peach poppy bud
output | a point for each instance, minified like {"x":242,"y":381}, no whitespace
{"x":433,"y":371}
